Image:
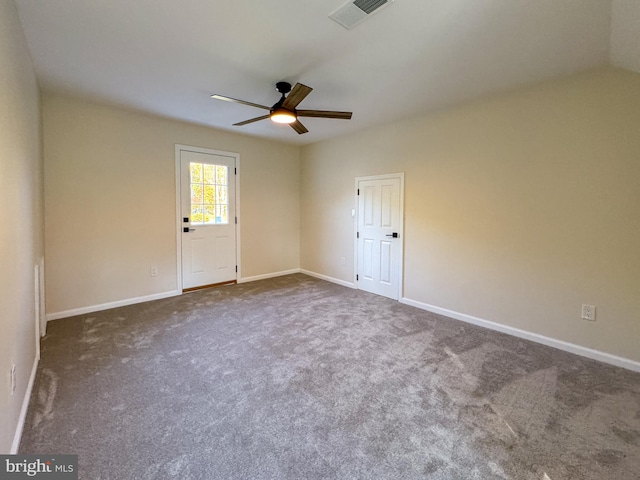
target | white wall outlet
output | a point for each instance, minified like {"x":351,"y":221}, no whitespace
{"x":154,"y":271}
{"x":12,"y":375}
{"x":589,"y":312}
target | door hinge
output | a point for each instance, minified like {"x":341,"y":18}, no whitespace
{"x":358,"y":191}
{"x":236,"y":220}
{"x":357,"y":234}
{"x":236,"y":268}
{"x":235,"y":171}
{"x":357,"y":277}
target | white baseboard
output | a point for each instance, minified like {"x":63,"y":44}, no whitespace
{"x":268,"y":275}
{"x":106,"y":306}
{"x":329,"y":279}
{"x":25,"y":408}
{"x":534,"y":337}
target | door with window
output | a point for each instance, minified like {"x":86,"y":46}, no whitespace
{"x":379,"y":234}
{"x":208,"y":219}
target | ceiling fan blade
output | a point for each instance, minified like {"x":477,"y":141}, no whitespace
{"x":298,"y":127}
{"x":257,"y":119}
{"x":235,"y":100}
{"x":298,"y":94}
{"x":325,"y":114}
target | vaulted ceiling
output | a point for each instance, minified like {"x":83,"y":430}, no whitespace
{"x":167,"y":57}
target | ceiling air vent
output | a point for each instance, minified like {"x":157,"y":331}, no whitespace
{"x":352,"y":13}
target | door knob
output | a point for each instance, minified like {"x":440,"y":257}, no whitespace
{"x":394,"y":235}
{"x":187,"y":229}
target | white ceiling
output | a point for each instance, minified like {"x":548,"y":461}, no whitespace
{"x":167,"y":57}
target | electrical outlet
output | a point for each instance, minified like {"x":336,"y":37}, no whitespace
{"x":589,"y":312}
{"x":13,"y":379}
{"x":154,"y":271}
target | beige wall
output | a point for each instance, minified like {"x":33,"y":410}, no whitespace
{"x":518,"y":208}
{"x":110,"y":202}
{"x":625,"y":42}
{"x":21,"y":244}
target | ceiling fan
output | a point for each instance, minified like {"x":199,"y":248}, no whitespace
{"x":284,"y":110}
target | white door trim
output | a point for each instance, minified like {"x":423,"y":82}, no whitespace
{"x":399,"y":176}
{"x":209,"y":151}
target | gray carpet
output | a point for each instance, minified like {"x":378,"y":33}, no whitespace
{"x":296,"y":378}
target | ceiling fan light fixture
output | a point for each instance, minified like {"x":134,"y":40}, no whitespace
{"x":282,"y":115}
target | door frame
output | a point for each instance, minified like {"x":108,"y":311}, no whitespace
{"x":400,"y":176}
{"x":178,"y":186}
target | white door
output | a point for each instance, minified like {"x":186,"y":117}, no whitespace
{"x":379,"y":234}
{"x":208,"y":223}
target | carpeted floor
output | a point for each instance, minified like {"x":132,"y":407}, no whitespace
{"x":296,"y":378}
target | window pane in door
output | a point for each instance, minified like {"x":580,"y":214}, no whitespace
{"x":210,"y":214}
{"x":209,"y":194}
{"x":196,"y":194}
{"x":196,"y":214}
{"x":210,"y":174}
{"x":196,"y":173}
{"x":222,"y":214}
{"x":221,"y":175}
{"x":222,"y":195}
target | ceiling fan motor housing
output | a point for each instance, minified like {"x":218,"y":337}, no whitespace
{"x":283,"y":87}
